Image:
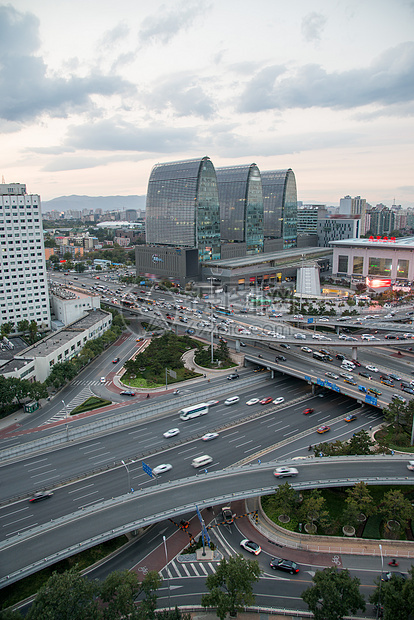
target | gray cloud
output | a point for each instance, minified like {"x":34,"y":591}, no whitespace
{"x":312,"y":26}
{"x":183,"y":93}
{"x":387,"y":81}
{"x":27,"y":90}
{"x":169,"y":22}
{"x":117,"y":135}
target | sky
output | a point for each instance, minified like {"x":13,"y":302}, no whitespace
{"x":94,"y":93}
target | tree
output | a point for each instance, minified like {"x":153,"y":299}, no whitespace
{"x":394,"y":597}
{"x":360,"y":443}
{"x":33,"y":329}
{"x":231,"y":586}
{"x":119,"y":591}
{"x":360,"y":495}
{"x":285,"y":498}
{"x":396,"y":507}
{"x":335,"y":595}
{"x":80,"y":267}
{"x":351,"y":513}
{"x":67,"y":596}
{"x":6,"y":328}
{"x":313,"y":508}
{"x":23,"y":326}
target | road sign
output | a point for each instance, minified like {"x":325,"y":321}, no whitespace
{"x":371,"y":400}
{"x":147,"y":469}
{"x":310,"y":320}
{"x":320,"y":381}
{"x":307,"y":378}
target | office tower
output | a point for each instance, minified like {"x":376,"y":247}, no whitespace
{"x":241,"y":206}
{"x":23,"y":284}
{"x":183,"y":208}
{"x":280,"y":206}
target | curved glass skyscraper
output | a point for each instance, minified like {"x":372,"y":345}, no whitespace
{"x":280,"y":206}
{"x":241,"y":206}
{"x":183,"y":207}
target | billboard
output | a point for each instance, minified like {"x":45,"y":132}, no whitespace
{"x":377,"y":282}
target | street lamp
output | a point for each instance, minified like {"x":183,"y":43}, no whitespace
{"x":379,"y":593}
{"x":211,"y":320}
{"x":66,"y":418}
{"x":168,"y":573}
{"x":129,"y":476}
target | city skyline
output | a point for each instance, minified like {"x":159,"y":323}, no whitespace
{"x":93,"y":100}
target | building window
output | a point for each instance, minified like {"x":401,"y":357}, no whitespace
{"x":402,"y":268}
{"x":358,"y":264}
{"x":380,"y":266}
{"x":342,"y":264}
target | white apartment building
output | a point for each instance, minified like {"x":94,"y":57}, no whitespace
{"x":23,"y":283}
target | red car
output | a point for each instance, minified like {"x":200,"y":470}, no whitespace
{"x":356,"y":362}
{"x":308,"y":411}
{"x":323,"y":429}
{"x":266,"y":401}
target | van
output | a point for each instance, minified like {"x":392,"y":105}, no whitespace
{"x":346,"y":365}
{"x":202,"y":461}
{"x":232,"y":400}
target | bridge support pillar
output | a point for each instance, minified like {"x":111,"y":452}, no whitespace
{"x":237,"y":346}
{"x":355,"y":353}
{"x":337,"y":330}
{"x":313,"y":389}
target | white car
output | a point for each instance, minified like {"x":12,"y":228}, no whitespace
{"x":367,"y":337}
{"x":253,"y":401}
{"x":300,"y":336}
{"x":172,"y":432}
{"x":282,"y":472}
{"x":298,"y":316}
{"x":250,"y":546}
{"x":280,"y":336}
{"x":317,"y":336}
{"x":102,"y":379}
{"x":306,"y":349}
{"x":331,"y":375}
{"x":209,"y":436}
{"x":160,"y":469}
{"x":324,"y":338}
{"x":279,"y":400}
{"x":372,"y":368}
{"x":323,"y":320}
{"x":410,"y":465}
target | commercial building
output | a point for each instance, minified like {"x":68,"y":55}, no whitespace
{"x":280,"y":206}
{"x":70,"y":303}
{"x":377,"y":256}
{"x":23,"y":283}
{"x":241,"y":206}
{"x":36,"y":362}
{"x":183,"y":207}
{"x":334,"y":227}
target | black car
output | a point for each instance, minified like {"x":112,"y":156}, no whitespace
{"x":281,"y":358}
{"x":127,"y":393}
{"x":285,"y":346}
{"x":339,"y":356}
{"x":242,"y":344}
{"x":395,"y":377}
{"x":285,"y":565}
{"x":404,"y":384}
{"x":365,"y":374}
{"x":409,"y":390}
{"x":233,"y":376}
{"x":390,"y":575}
{"x":38,"y":497}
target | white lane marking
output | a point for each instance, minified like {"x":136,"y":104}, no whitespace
{"x":80,"y":489}
{"x":42,"y":474}
{"x":34,"y":462}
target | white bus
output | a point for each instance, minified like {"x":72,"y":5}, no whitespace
{"x":194,"y":411}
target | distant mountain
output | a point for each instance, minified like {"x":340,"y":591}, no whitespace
{"x":107,"y":203}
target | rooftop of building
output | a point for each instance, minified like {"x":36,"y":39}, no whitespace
{"x":57,"y":339}
{"x":256,"y":259}
{"x":385,"y":242}
{"x":7,"y":354}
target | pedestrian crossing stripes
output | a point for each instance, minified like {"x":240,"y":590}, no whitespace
{"x":86,"y":382}
{"x":65,"y":411}
{"x":179,"y":570}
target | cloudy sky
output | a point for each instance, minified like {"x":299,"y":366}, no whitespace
{"x":95,"y":92}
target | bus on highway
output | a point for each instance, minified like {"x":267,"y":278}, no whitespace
{"x":321,"y":357}
{"x":194,"y":411}
{"x":222,"y":310}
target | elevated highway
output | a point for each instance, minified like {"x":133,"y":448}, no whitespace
{"x":44,"y":545}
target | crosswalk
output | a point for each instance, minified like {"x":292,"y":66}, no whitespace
{"x":78,"y":400}
{"x":87,"y":382}
{"x":178,"y":570}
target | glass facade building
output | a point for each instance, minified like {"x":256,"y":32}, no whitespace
{"x":241,"y":206}
{"x":183,"y":207}
{"x":280,"y":206}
